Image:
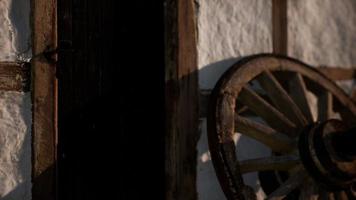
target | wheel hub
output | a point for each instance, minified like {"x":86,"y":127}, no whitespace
{"x":325,"y":155}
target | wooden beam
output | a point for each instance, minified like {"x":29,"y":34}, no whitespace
{"x":338,"y":73}
{"x":279,"y":27}
{"x":44,"y":98}
{"x":182,"y":100}
{"x":15,"y":76}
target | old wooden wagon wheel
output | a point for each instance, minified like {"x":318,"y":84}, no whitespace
{"x":313,"y":154}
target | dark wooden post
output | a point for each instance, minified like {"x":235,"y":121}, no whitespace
{"x":44,"y":97}
{"x":182,"y":111}
{"x":279,"y":27}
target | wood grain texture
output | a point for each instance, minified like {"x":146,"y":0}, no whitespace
{"x":182,"y":100}
{"x":338,"y":73}
{"x":266,"y":111}
{"x":15,"y":76}
{"x":279,"y":27}
{"x":44,"y":87}
{"x":270,"y":163}
{"x":293,"y":182}
{"x":276,"y":141}
{"x":281,"y":98}
{"x":298,"y":92}
{"x":297,"y":88}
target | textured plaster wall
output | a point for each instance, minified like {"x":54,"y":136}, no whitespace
{"x":228,"y":30}
{"x":15,"y":146}
{"x":15,"y":107}
{"x":321,"y":32}
{"x":15,"y":34}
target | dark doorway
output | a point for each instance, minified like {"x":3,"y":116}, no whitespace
{"x":111,"y":99}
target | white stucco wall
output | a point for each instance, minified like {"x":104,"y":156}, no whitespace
{"x":15,"y":107}
{"x":321,"y":32}
{"x":15,"y":34}
{"x":15,"y":146}
{"x":228,"y":30}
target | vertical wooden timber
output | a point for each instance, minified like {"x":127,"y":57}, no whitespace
{"x":279,"y":27}
{"x":182,"y":112}
{"x":44,"y":97}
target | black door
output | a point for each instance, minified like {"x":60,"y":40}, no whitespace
{"x":111,"y":78}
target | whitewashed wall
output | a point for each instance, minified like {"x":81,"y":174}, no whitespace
{"x":321,"y":32}
{"x":15,"y":107}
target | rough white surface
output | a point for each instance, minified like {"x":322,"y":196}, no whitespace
{"x":322,"y":32}
{"x":15,"y":107}
{"x":15,"y":146}
{"x":15,"y":34}
{"x":229,"y":29}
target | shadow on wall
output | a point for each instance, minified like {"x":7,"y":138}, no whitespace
{"x":19,"y":15}
{"x":210,"y":74}
{"x":22,"y":173}
{"x":246,"y":148}
{"x":18,"y":192}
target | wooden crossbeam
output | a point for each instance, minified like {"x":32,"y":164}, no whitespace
{"x":14,"y":76}
{"x":338,"y":73}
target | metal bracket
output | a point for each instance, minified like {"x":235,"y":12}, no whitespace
{"x":50,"y":54}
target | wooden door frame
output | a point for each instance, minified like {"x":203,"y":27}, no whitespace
{"x":44,"y":99}
{"x":182,"y":100}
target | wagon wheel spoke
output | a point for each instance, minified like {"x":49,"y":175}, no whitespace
{"x":347,"y":116}
{"x":331,"y":196}
{"x":279,"y":108}
{"x":288,"y":186}
{"x":266,"y":111}
{"x":324,"y":195}
{"x":325,"y":106}
{"x":340,"y":195}
{"x":280,"y":98}
{"x":298,"y":92}
{"x":309,"y":191}
{"x":270,"y":163}
{"x":276,"y":141}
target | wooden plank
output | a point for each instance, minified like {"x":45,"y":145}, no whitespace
{"x":44,"y":92}
{"x":338,"y":73}
{"x":270,"y":163}
{"x":15,"y":76}
{"x":276,"y":141}
{"x":182,"y":100}
{"x":279,"y":27}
